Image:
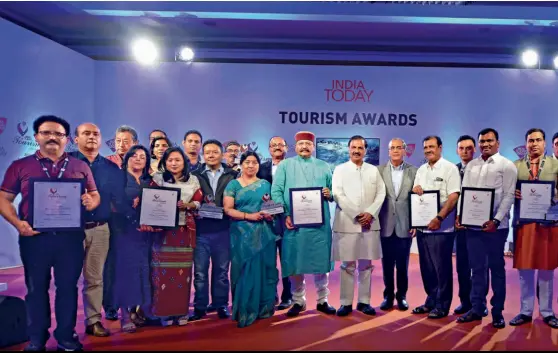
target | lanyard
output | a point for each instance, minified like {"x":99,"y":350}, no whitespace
{"x":540,"y":168}
{"x":62,"y":170}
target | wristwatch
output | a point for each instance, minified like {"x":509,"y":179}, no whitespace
{"x":439,"y":218}
{"x":496,"y":222}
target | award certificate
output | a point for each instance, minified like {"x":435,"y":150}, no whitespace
{"x":55,"y":204}
{"x":536,"y":200}
{"x":307,"y":206}
{"x":477,"y":206}
{"x":158,"y":207}
{"x":423,"y":208}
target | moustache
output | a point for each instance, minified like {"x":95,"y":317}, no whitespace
{"x":356,"y":153}
{"x":304,"y":150}
{"x":278,"y":150}
{"x":52,"y":141}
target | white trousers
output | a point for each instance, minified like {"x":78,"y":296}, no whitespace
{"x":545,"y":282}
{"x":347,"y":273}
{"x":298,"y":288}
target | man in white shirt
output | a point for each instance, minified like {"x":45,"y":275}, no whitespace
{"x":486,"y":245}
{"x":359,"y":191}
{"x":555,"y":145}
{"x":435,"y":244}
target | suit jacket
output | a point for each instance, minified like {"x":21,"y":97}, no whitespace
{"x":394,"y":215}
{"x":265,"y":171}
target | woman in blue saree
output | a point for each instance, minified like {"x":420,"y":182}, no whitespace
{"x":254,"y":273}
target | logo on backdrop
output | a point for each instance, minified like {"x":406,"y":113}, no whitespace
{"x":22,"y":138}
{"x":410,"y":149}
{"x":2,"y":151}
{"x":22,"y":128}
{"x":351,"y":91}
{"x":3,"y":122}
{"x":111,"y":144}
{"x":521,"y":151}
{"x":71,"y":146}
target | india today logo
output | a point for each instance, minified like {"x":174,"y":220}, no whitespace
{"x":22,"y":128}
{"x":266,"y":197}
{"x":22,"y":139}
{"x":156,"y":196}
{"x":348,"y":91}
{"x":53,"y":191}
{"x":3,"y":122}
{"x":521,"y":151}
{"x":410,"y":149}
{"x":111,"y":144}
{"x":474,"y":197}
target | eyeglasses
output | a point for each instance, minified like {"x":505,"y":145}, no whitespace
{"x":396,"y":148}
{"x":233,"y":151}
{"x":275,"y":145}
{"x":52,"y":133}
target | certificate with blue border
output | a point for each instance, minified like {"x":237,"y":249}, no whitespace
{"x":307,"y":207}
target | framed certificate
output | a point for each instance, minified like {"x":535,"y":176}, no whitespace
{"x":158,"y":206}
{"x":55,"y":204}
{"x":477,"y":206}
{"x":307,"y":207}
{"x":536,"y":200}
{"x":423,"y":208}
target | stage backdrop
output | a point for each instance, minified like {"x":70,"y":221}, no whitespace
{"x":37,"y":76}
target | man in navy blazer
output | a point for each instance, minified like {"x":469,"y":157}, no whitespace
{"x":278,"y":150}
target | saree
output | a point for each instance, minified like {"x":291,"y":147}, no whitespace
{"x":254,"y":275}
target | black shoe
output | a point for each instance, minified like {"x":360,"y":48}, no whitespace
{"x":520,"y":320}
{"x":285,"y":304}
{"x":295,"y":310}
{"x":498,"y":322}
{"x":326,"y":308}
{"x":402,"y":304}
{"x":211,"y":309}
{"x":34,"y":347}
{"x":366,"y":309}
{"x":551,"y":321}
{"x":469,"y":317}
{"x":485,"y":313}
{"x":386,"y":304}
{"x":197,"y":315}
{"x":344,"y":310}
{"x":462,"y":309}
{"x":223,"y":313}
{"x":437,"y":314}
{"x":69,"y":346}
{"x":423,"y":309}
{"x":111,"y":315}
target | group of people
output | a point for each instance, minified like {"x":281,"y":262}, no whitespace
{"x":146,"y":273}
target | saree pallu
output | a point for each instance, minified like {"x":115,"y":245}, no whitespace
{"x":171,"y":270}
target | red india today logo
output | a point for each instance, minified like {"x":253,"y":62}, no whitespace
{"x":348,"y":91}
{"x":3,"y":122}
{"x":410,"y":149}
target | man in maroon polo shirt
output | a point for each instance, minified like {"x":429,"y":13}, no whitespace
{"x":42,"y":251}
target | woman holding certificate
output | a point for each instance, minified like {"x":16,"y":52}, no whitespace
{"x":158,"y":147}
{"x":172,"y":253}
{"x":254,"y":273}
{"x":133,"y":285}
{"x":536,"y":243}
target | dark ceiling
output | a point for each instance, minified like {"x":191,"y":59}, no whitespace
{"x":452,"y":33}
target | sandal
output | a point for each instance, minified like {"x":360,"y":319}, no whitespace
{"x":183,"y":320}
{"x":423,"y":309}
{"x":520,"y":320}
{"x":551,"y":321}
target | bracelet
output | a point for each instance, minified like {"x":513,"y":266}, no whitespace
{"x":244,"y":215}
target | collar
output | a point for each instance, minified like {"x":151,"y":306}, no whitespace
{"x":490,"y":159}
{"x":40,"y":156}
{"x":207,"y":169}
{"x":400,"y":167}
{"x":353,"y":165}
{"x":82,"y":157}
{"x":436,"y":165}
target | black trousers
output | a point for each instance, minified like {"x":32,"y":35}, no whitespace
{"x":464,"y":273}
{"x":63,"y":252}
{"x":436,"y":268}
{"x":395,"y":255}
{"x":286,"y":294}
{"x":486,"y":252}
{"x":109,"y":273}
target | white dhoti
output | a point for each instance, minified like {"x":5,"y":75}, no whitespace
{"x":298,"y":288}
{"x":353,"y":248}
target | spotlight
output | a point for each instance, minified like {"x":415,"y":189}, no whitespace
{"x":145,"y":51}
{"x":185,"y":54}
{"x":530,"y":58}
{"x":556,"y":62}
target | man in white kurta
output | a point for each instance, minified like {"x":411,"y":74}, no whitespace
{"x":359,"y":191}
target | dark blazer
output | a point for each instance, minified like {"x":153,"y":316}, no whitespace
{"x":265,"y":171}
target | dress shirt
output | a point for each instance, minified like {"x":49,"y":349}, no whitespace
{"x":442,"y":176}
{"x":498,"y":173}
{"x":213,"y":177}
{"x":396,"y":176}
{"x":273,"y":169}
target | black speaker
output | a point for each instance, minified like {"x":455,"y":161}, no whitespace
{"x":13,"y":321}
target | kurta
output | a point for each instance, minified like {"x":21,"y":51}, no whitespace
{"x":536,"y":245}
{"x":305,"y":250}
{"x":357,"y":190}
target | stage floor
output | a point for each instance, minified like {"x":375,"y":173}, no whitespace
{"x":312,"y":330}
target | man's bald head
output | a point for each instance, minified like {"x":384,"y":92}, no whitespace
{"x":88,"y":137}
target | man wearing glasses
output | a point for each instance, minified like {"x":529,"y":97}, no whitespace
{"x":232,"y":155}
{"x":278,"y":150}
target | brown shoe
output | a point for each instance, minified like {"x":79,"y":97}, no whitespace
{"x":97,"y":330}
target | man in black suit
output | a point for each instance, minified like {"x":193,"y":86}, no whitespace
{"x":278,"y":150}
{"x":466,"y":152}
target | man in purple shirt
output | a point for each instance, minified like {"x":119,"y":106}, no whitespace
{"x":42,"y":251}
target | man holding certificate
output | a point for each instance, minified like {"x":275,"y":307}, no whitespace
{"x":439,"y":178}
{"x":536,"y":243}
{"x":359,"y":192}
{"x":50,"y":225}
{"x":302,"y":185}
{"x":487,"y":196}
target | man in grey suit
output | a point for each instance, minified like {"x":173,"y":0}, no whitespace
{"x":396,"y":239}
